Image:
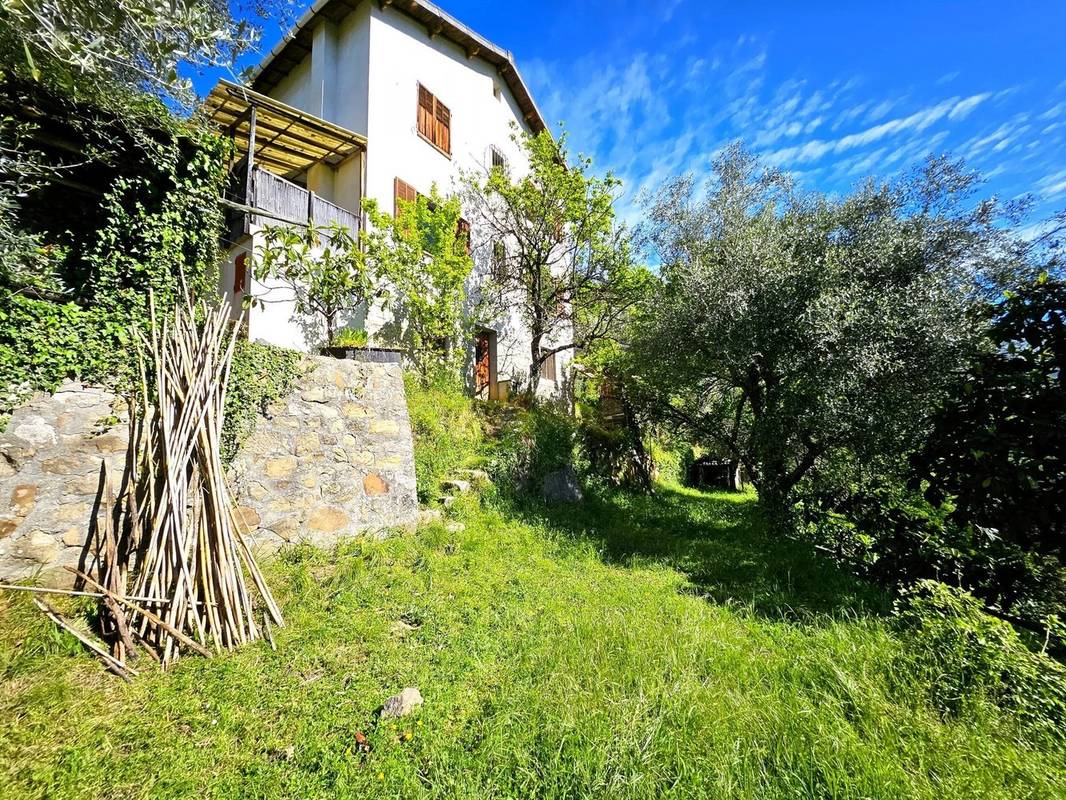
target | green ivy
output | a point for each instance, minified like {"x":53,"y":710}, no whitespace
{"x":42,"y":343}
{"x":260,"y":375}
{"x":160,"y":238}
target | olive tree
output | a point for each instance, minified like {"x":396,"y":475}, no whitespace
{"x":558,"y":255}
{"x":789,"y":326}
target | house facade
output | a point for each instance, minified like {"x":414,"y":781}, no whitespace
{"x":377,"y":100}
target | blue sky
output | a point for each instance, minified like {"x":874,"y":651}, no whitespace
{"x":830,"y":91}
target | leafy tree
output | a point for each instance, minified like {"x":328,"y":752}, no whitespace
{"x":423,"y":253}
{"x":321,"y":269}
{"x":790,"y":327}
{"x":95,"y":49}
{"x":997,"y":450}
{"x":558,"y":255}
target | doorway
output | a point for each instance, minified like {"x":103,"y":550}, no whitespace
{"x":485,"y":364}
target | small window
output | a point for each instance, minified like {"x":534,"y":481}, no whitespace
{"x":462,"y":234}
{"x":547,"y":367}
{"x":497,"y":159}
{"x":402,"y":191}
{"x":499,"y":260}
{"x":434,"y":121}
{"x":240,"y":273}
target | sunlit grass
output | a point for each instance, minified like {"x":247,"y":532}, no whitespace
{"x":629,"y":647}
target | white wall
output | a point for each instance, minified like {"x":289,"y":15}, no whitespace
{"x":378,"y":58}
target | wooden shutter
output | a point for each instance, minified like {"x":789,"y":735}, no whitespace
{"x":444,"y":128}
{"x":547,"y":368}
{"x":402,"y":190}
{"x":425,"y":112}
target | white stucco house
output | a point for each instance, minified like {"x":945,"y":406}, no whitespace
{"x":373,"y":99}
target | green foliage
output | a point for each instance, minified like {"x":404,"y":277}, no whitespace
{"x":324,"y":268}
{"x":424,"y":254}
{"x":558,"y":256}
{"x":261,"y":374}
{"x":351,"y":337}
{"x":997,"y":450}
{"x":160,"y":235}
{"x":967,"y":658}
{"x":791,"y":325}
{"x":42,"y":343}
{"x":447,"y":430}
{"x":526,"y":445}
{"x":162,"y":229}
{"x":121,"y":47}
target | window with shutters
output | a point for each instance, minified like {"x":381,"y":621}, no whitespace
{"x":547,"y":367}
{"x":434,"y":121}
{"x":402,"y":191}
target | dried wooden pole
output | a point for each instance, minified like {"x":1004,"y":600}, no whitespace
{"x":120,"y":668}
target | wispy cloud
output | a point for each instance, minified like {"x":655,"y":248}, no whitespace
{"x":649,"y":116}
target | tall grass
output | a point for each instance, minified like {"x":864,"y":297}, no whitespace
{"x":626,"y":649}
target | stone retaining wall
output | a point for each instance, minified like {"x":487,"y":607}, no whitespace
{"x":334,"y":460}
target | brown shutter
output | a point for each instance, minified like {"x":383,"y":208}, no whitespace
{"x":462,"y":233}
{"x":401,"y":190}
{"x":425,"y":112}
{"x":240,"y":273}
{"x":547,"y":368}
{"x":444,"y":128}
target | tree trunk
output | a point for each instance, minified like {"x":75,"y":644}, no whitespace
{"x":534,"y":366}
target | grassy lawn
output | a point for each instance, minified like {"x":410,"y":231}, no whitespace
{"x":628,"y":648}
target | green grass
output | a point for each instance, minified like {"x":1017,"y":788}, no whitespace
{"x":628,"y":648}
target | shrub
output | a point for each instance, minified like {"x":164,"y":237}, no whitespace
{"x":447,"y":431}
{"x":966,"y":658}
{"x":351,"y":337}
{"x":42,"y":343}
{"x":529,"y":444}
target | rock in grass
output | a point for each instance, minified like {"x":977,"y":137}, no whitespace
{"x":562,"y":486}
{"x":402,"y":704}
{"x":455,"y":485}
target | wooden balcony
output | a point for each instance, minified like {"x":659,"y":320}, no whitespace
{"x":278,"y":140}
{"x":286,"y":203}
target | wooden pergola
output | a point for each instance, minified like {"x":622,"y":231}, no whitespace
{"x":270,"y":133}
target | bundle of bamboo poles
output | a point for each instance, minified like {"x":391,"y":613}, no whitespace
{"x":182,"y":548}
{"x":173,"y":572}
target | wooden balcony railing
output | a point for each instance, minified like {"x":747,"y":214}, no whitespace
{"x":284,"y":201}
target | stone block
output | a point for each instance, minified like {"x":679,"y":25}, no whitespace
{"x":374,"y":485}
{"x":327,"y":519}
{"x":23,"y":498}
{"x":385,"y":427}
{"x":280,"y":467}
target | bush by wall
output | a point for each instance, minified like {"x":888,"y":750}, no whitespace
{"x":260,"y":375}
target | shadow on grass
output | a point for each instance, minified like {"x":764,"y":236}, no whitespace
{"x":721,"y":544}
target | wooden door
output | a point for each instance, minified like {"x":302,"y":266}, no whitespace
{"x":482,"y":362}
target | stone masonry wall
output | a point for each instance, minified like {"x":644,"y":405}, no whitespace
{"x":50,"y":458}
{"x":334,"y":460}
